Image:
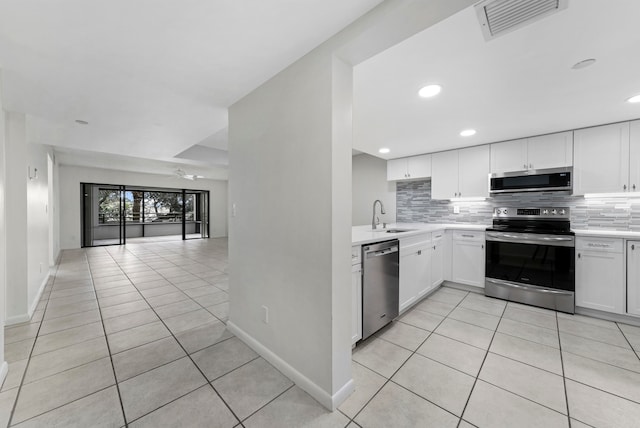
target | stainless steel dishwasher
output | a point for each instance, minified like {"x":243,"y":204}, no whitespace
{"x":380,"y":285}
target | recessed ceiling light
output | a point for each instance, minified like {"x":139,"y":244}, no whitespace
{"x":430,"y":91}
{"x":583,"y":64}
{"x":384,"y":150}
{"x":82,"y":122}
{"x":634,"y":99}
{"x":468,"y":132}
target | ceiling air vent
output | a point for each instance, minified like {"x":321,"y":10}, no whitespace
{"x":498,"y":17}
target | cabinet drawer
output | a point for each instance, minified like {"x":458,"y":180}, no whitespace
{"x":418,"y":240}
{"x":356,"y":255}
{"x":465,"y":235}
{"x":608,"y":245}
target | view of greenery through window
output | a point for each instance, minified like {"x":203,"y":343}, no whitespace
{"x":147,"y":207}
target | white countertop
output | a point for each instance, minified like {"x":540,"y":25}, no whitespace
{"x":603,"y":233}
{"x":364,"y":235}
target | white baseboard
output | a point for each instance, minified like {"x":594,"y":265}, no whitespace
{"x":36,"y":301}
{"x":4,"y":369}
{"x":329,"y":401}
{"x":18,"y":319}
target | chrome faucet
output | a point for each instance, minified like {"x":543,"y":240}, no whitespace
{"x":373,"y":220}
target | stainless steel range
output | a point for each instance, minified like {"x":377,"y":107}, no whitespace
{"x":530,"y":257}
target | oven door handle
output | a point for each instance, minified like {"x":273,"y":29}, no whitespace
{"x":537,"y":289}
{"x":527,"y":238}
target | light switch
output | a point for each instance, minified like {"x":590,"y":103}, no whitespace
{"x":456,"y":209}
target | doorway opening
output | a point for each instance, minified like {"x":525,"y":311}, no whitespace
{"x":116,"y":214}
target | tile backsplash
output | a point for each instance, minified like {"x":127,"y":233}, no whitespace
{"x":414,"y":205}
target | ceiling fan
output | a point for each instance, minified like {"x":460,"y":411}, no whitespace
{"x":182,"y":174}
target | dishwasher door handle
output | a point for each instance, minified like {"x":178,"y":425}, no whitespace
{"x":384,"y":252}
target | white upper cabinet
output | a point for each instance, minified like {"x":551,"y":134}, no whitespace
{"x":544,"y":151}
{"x":473,"y":174}
{"x":601,"y":159}
{"x":509,"y":156}
{"x":634,"y":156}
{"x":410,"y":168}
{"x":444,"y":179}
{"x":550,"y":151}
{"x":462,"y":173}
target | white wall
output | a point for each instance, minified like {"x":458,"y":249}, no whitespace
{"x":16,"y":152}
{"x":37,"y":222}
{"x":369,"y":175}
{"x":290,"y":181}
{"x":280,"y":242}
{"x":69,"y":211}
{"x":3,"y":237}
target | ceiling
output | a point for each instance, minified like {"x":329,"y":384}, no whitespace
{"x":153,"y":78}
{"x":517,"y":85}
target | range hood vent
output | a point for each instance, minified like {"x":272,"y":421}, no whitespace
{"x":498,"y":17}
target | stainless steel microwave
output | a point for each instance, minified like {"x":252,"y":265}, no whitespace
{"x":557,"y":180}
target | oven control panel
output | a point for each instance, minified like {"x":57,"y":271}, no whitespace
{"x":561,"y":213}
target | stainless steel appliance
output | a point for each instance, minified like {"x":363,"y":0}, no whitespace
{"x":557,"y":180}
{"x":530,"y":257}
{"x":380,"y":285}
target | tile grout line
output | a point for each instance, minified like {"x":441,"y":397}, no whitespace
{"x":24,"y":374}
{"x":188,"y":356}
{"x":113,"y":368}
{"x":484,"y":359}
{"x":627,"y":339}
{"x":387,"y":380}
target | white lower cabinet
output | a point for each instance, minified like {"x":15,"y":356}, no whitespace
{"x":633,"y":277}
{"x":356,"y":296}
{"x":468,"y":258}
{"x":415,"y":269}
{"x":600,"y":282}
{"x":437,"y":259}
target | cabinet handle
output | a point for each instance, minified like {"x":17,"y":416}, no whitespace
{"x":624,"y":187}
{"x":483,"y":246}
{"x":525,"y":166}
{"x":633,"y":247}
{"x":408,"y":175}
{"x":634,"y":187}
{"x":579,"y":256}
{"x":434,"y":247}
{"x":419,"y":252}
{"x":530,"y":166}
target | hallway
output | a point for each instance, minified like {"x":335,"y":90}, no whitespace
{"x":135,"y":333}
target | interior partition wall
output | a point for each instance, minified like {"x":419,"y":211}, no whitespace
{"x":115,"y":214}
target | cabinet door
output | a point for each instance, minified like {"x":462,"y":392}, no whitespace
{"x":419,"y":166}
{"x":634,"y":157}
{"x":633,"y":277}
{"x":473,"y":172}
{"x":397,"y":169}
{"x":468,"y":263}
{"x":437,"y":262}
{"x":509,"y":156}
{"x":600,"y":281}
{"x":601,"y":159}
{"x":424,"y":271}
{"x":550,"y":151}
{"x":356,"y":302}
{"x":408,"y":279}
{"x":444,"y":175}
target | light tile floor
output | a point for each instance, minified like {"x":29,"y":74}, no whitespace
{"x":136,"y":336}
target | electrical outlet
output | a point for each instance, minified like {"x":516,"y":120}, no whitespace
{"x":456,"y":209}
{"x":265,"y":314}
